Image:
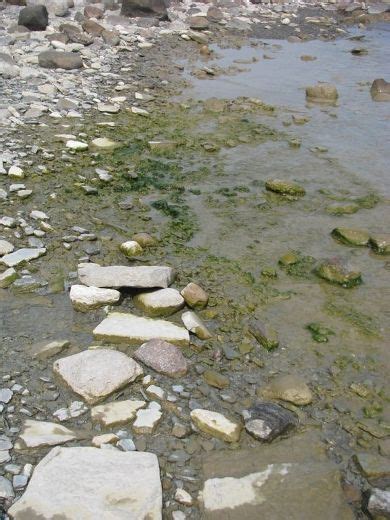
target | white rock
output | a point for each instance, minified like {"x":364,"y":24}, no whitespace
{"x":131,"y":248}
{"x":16,"y":172}
{"x":22,"y":255}
{"x":39,"y":215}
{"x":75,"y":409}
{"x":216,"y":424}
{"x":106,"y":438}
{"x":159,"y":303}
{"x":5,"y":395}
{"x":183,"y":497}
{"x":90,"y":483}
{"x":36,"y":434}
{"x":109,"y":109}
{"x":105,"y":143}
{"x":195,"y":325}
{"x":139,"y":111}
{"x":85,"y":298}
{"x":156,"y":392}
{"x":142,"y":277}
{"x":133,"y":330}
{"x":147,"y":420}
{"x":5,"y":247}
{"x":8,"y":222}
{"x":76,"y":145}
{"x":6,"y":490}
{"x":116,"y":413}
{"x":95,"y":374}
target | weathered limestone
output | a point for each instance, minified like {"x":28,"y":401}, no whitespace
{"x":93,"y":483}
{"x":95,"y":374}
{"x":147,"y":419}
{"x":22,"y":255}
{"x":37,"y":434}
{"x":162,"y":302}
{"x":140,"y":277}
{"x":47,"y":350}
{"x":86,"y":298}
{"x":289,"y":388}
{"x":195,"y":325}
{"x":194,"y":296}
{"x":162,"y":357}
{"x":216,"y":424}
{"x":116,"y":413}
{"x":133,"y":330}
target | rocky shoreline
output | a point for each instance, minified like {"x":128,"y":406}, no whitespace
{"x":120,"y":344}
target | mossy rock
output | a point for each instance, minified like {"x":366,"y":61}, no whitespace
{"x":354,"y":237}
{"x":336,"y":272}
{"x":285,"y":188}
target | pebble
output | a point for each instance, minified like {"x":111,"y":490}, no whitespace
{"x":195,"y":325}
{"x":216,"y":424}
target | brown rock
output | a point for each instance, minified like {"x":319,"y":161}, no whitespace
{"x":91,"y":11}
{"x":380,"y":90}
{"x":195,"y":296}
{"x":111,"y":37}
{"x":216,"y":379}
{"x":60,"y":60}
{"x":163,"y":357}
{"x":322,"y":92}
{"x":199,"y":23}
{"x":134,"y":8}
{"x":92,"y":27}
{"x":144,"y":239}
{"x":214,"y":14}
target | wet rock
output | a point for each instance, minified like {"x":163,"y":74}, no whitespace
{"x":285,"y":188}
{"x":21,"y":256}
{"x":380,"y":90}
{"x":266,"y":421}
{"x":116,"y":413}
{"x":355,"y":237}
{"x":140,"y":277}
{"x":5,"y":247}
{"x":216,"y":379}
{"x":123,"y":484}
{"x":216,"y":425}
{"x":379,"y":503}
{"x":147,"y":419}
{"x":86,"y":298}
{"x":133,"y":8}
{"x":37,"y":434}
{"x":289,"y":388}
{"x":111,"y":37}
{"x":131,"y":248}
{"x":374,"y":467}
{"x":95,"y":374}
{"x":47,"y":350}
{"x":323,"y":92}
{"x":380,"y":243}
{"x":162,"y":302}
{"x":194,"y":324}
{"x":6,"y":489}
{"x":34,"y":17}
{"x":194,"y":296}
{"x":336,"y":271}
{"x":60,"y":60}
{"x":8,"y":277}
{"x":265,"y":335}
{"x":162,"y":357}
{"x":133,"y":330}
{"x":144,"y":239}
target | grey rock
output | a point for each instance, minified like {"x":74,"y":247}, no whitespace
{"x":266,"y":421}
{"x":8,"y":68}
{"x":134,"y":8}
{"x":60,"y":60}
{"x":379,"y":503}
{"x":34,"y":17}
{"x":22,"y":255}
{"x":5,"y":395}
{"x":6,"y":490}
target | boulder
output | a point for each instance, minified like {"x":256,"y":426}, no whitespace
{"x":38,"y":434}
{"x":95,"y":374}
{"x":266,"y":421}
{"x":140,"y":277}
{"x":86,"y":298}
{"x":92,"y":483}
{"x":116,"y":413}
{"x":322,"y":93}
{"x":216,"y":425}
{"x":34,"y":17}
{"x":380,"y":90}
{"x":134,"y":8}
{"x":133,"y":330}
{"x":92,"y":27}
{"x":60,"y":60}
{"x":162,"y":302}
{"x":163,"y":357}
{"x":289,"y":388}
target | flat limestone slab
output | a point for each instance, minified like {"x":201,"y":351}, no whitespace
{"x":36,"y":434}
{"x":85,"y":298}
{"x":22,"y":255}
{"x":116,"y":276}
{"x":95,"y":374}
{"x":133,"y":330}
{"x":162,"y":302}
{"x":216,"y":424}
{"x":90,"y":484}
{"x":118,"y":412}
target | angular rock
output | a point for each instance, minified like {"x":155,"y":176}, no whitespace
{"x":198,"y":23}
{"x":93,"y":483}
{"x":216,"y":424}
{"x":5,"y":395}
{"x":354,"y":237}
{"x":37,"y":434}
{"x":108,"y":109}
{"x":289,"y":388}
{"x":91,"y":11}
{"x":380,"y":243}
{"x":162,"y":302}
{"x":285,"y":188}
{"x":131,"y":248}
{"x":75,"y":409}
{"x":86,"y":298}
{"x":60,"y":60}
{"x":77,"y":146}
{"x":140,"y":277}
{"x":92,"y":27}
{"x":95,"y":374}
{"x":265,"y":335}
{"x":111,"y":37}
{"x":374,"y":467}
{"x":379,"y":503}
{"x":8,"y":277}
{"x":380,"y":90}
{"x":116,"y":413}
{"x":22,"y":255}
{"x":194,"y":296}
{"x":44,"y":351}
{"x":322,"y":92}
{"x":147,"y":419}
{"x":266,"y":421}
{"x":195,"y":325}
{"x":106,"y":438}
{"x":133,"y":330}
{"x":34,"y":17}
{"x":134,"y":8}
{"x":337,"y":271}
{"x":162,"y":357}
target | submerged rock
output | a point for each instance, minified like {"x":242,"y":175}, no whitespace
{"x":323,"y":92}
{"x":374,"y":467}
{"x":265,"y":335}
{"x":380,"y":90}
{"x":266,"y":421}
{"x":380,"y":243}
{"x":289,"y":388}
{"x":86,"y":298}
{"x":355,"y":237}
{"x":95,"y":374}
{"x":92,"y":483}
{"x":162,"y":302}
{"x":162,"y":357}
{"x":47,"y":350}
{"x":216,"y":424}
{"x":216,"y":379}
{"x":140,"y":277}
{"x":336,"y":271}
{"x":285,"y":188}
{"x":144,"y":239}
{"x":37,"y":434}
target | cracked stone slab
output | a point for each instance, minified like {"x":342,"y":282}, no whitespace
{"x":37,"y":434}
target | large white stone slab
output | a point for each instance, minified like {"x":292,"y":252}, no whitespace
{"x":118,"y":412}
{"x":90,"y":484}
{"x":95,"y":374}
{"x":115,"y":276}
{"x":133,"y":330}
{"x":85,"y":298}
{"x":36,"y":434}
{"x":22,"y":255}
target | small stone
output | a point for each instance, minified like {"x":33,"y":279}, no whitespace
{"x":380,"y":243}
{"x":285,"y":188}
{"x":155,"y":392}
{"x":265,"y":335}
{"x":47,"y":350}
{"x":322,"y":92}
{"x":21,"y":256}
{"x":76,"y":145}
{"x":336,"y":271}
{"x":147,"y":420}
{"x":107,"y":438}
{"x":116,"y":413}
{"x":162,"y":302}
{"x":75,"y":409}
{"x":266,"y":421}
{"x":131,"y":248}
{"x":4,"y":456}
{"x":19,"y":482}
{"x":380,"y":90}
{"x":355,"y":237}
{"x":195,"y":325}
{"x":183,"y":497}
{"x":379,"y":503}
{"x":104,"y":143}
{"x":194,"y":296}
{"x":16,"y":172}
{"x":5,"y":443}
{"x":5,"y":395}
{"x":144,"y":239}
{"x":216,"y":425}
{"x":8,"y":277}
{"x":126,"y":445}
{"x":85,"y":298}
{"x":6,"y":490}
{"x":163,"y":357}
{"x":216,"y":379}
{"x":289,"y":388}
{"x":109,"y":109}
{"x":37,"y":434}
{"x":198,"y":23}
{"x":180,"y":431}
